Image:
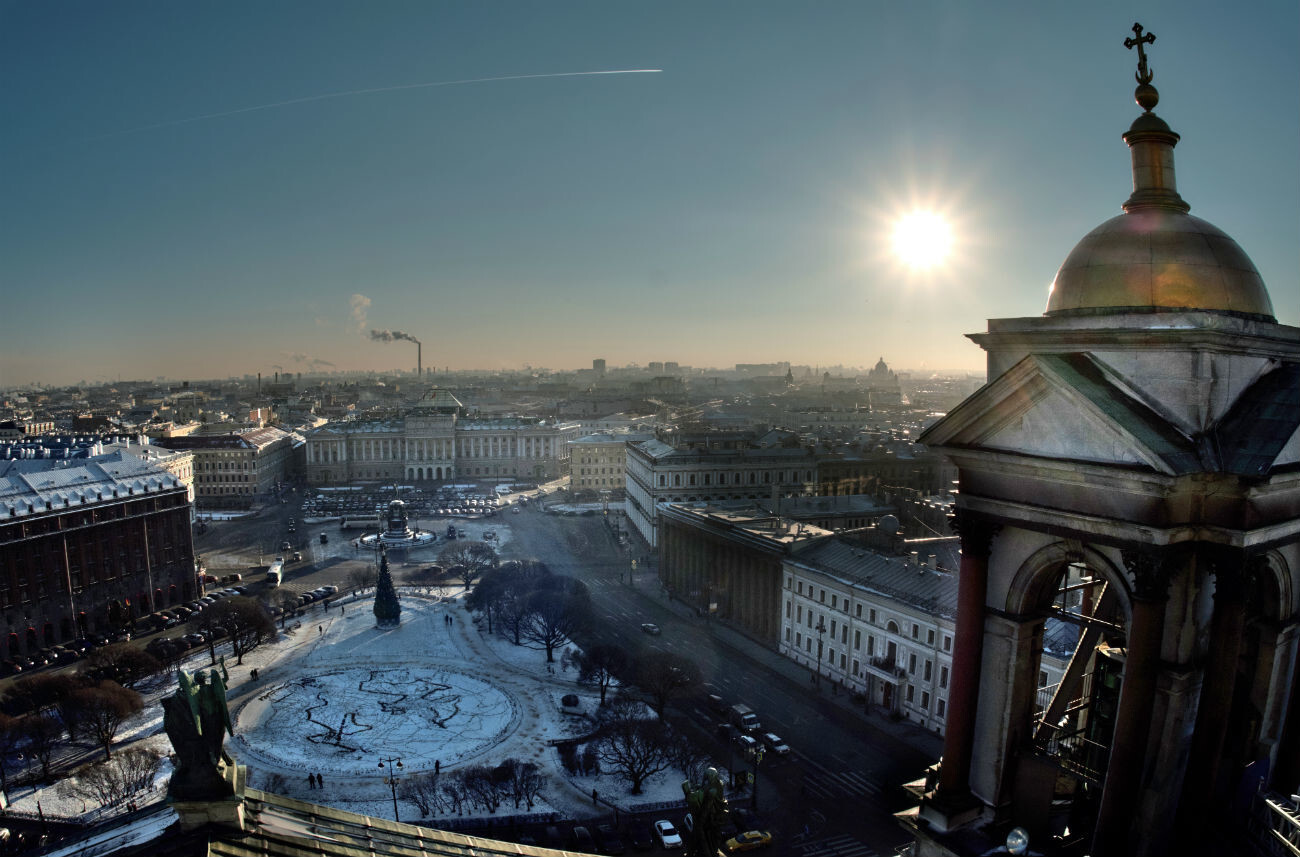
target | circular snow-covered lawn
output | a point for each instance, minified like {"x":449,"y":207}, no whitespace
{"x":342,"y":719}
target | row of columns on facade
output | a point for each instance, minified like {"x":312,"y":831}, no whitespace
{"x":1152,"y":572}
{"x":541,"y":448}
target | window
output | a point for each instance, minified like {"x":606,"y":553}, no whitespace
{"x":787,"y":635}
{"x":830,"y":657}
{"x":832,"y":629}
{"x":911,"y":664}
{"x":807,"y":645}
{"x":798,"y":639}
{"x":822,"y":596}
{"x":925,"y":701}
{"x":856,"y":666}
{"x":871,"y":645}
{"x":789,"y":582}
{"x":947,"y":643}
{"x":834,"y":600}
{"x":941,"y":707}
{"x":801,"y":587}
{"x":871,"y":616}
{"x":857,"y":610}
{"x":943,"y":677}
{"x":916,"y":631}
{"x":928,"y":667}
{"x":911,"y":693}
{"x":787,"y":609}
{"x":844,"y":635}
{"x":857,"y":641}
{"x":929,"y":637}
{"x":843,"y":660}
{"x":1042,"y":678}
{"x":799,"y":613}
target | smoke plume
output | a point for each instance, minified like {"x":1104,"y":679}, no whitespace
{"x":360,"y":305}
{"x":392,"y":336}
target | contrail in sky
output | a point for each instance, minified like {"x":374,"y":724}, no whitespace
{"x":352,"y":92}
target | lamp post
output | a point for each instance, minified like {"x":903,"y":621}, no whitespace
{"x":753,"y":792}
{"x":821,"y":631}
{"x":393,"y":765}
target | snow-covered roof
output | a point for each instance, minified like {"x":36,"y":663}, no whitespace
{"x":36,"y":486}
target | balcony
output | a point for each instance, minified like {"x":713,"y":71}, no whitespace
{"x":886,"y":670}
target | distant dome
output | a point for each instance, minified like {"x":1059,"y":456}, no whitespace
{"x":1153,"y":256}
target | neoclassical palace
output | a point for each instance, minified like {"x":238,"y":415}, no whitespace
{"x":434,"y":440}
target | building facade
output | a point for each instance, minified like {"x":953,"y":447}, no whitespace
{"x":233,"y":470}
{"x":597,"y":462}
{"x":88,"y":546}
{"x":435,"y":441}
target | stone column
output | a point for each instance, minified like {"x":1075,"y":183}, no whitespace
{"x":1128,"y":750}
{"x":952,"y":803}
{"x":1231,"y":571}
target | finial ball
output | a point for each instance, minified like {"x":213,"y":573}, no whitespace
{"x":1146,"y":96}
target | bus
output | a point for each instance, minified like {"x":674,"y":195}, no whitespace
{"x":276,"y":574}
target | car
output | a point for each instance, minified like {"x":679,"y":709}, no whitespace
{"x":297,"y":556}
{"x":717,"y":703}
{"x":744,"y":818}
{"x":286,"y":546}
{"x":746,"y":743}
{"x":650,"y":628}
{"x":727,"y":732}
{"x":8,"y":668}
{"x":195,"y":639}
{"x":667,"y":835}
{"x":489,"y":535}
{"x":608,"y":840}
{"x":330,"y":590}
{"x":582,"y":840}
{"x":775,"y":744}
{"x":748,"y":841}
{"x":638,"y":833}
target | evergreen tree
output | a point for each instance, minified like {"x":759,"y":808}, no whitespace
{"x":388,"y":612}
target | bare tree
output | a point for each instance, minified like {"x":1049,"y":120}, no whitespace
{"x":121,"y":662}
{"x":689,"y":758}
{"x":247,"y":623}
{"x":39,"y":693}
{"x":41,"y":732}
{"x":602,"y":665}
{"x":554,"y":616}
{"x":632,"y":744}
{"x":423,"y":790}
{"x":111,"y":782}
{"x":103,"y":708}
{"x":481,"y":787}
{"x":522,"y":781}
{"x":662,"y":675}
{"x":287,"y":601}
{"x":473,"y":558}
{"x":362,"y":579}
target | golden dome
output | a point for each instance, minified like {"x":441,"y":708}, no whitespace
{"x":1157,"y":256}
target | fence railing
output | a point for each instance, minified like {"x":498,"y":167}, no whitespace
{"x":1073,"y":752}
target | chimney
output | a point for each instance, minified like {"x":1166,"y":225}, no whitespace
{"x":419,"y":362}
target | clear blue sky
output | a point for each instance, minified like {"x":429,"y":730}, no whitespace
{"x":733,"y":208}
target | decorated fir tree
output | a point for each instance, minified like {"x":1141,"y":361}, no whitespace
{"x":388,"y":612}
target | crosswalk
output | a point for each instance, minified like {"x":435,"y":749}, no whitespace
{"x":837,"y":846}
{"x":826,"y":785}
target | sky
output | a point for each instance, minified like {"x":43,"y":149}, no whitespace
{"x":158,"y":217}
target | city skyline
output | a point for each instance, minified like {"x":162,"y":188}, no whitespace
{"x":203,"y":192}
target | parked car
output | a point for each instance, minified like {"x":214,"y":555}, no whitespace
{"x":639,"y":835}
{"x":775,"y":744}
{"x":746,"y":743}
{"x":582,"y":840}
{"x":667,"y":835}
{"x":650,"y":628}
{"x":608,"y":840}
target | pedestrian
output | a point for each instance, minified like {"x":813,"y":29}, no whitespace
{"x":437,"y":766}
{"x":320,"y":781}
{"x":340,"y":609}
{"x":320,"y":629}
{"x":593,"y":797}
{"x":311,"y":781}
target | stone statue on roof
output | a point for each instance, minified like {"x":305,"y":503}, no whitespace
{"x":197,"y":721}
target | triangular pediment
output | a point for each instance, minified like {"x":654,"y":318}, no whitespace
{"x":1064,"y":407}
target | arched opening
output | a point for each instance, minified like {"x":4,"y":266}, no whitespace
{"x":1069,"y":651}
{"x":33,"y":642}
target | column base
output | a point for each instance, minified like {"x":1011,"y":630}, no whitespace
{"x":945,"y":812}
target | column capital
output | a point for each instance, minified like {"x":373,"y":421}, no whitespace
{"x":977,"y":531}
{"x":1151,"y":569}
{"x":1233,"y":569}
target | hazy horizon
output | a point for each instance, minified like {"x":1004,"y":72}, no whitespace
{"x":208,"y":191}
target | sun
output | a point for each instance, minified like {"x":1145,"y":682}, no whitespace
{"x":922,"y":239}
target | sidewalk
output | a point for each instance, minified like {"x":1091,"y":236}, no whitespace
{"x":931,"y":745}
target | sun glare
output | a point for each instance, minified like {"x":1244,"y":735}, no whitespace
{"x":922,"y":239}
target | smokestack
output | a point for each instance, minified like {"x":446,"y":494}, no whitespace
{"x":419,"y":362}
{"x":259,"y":383}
